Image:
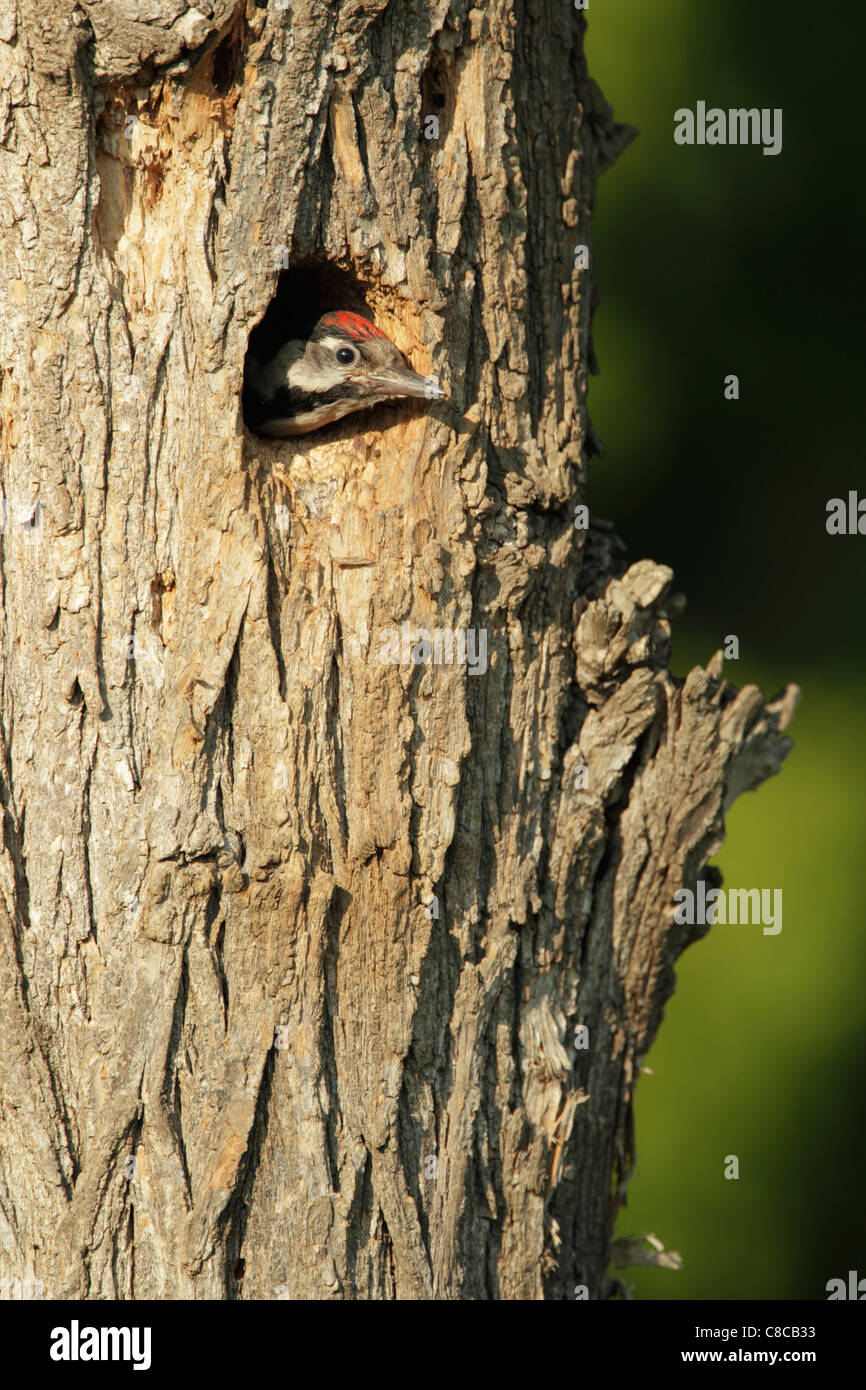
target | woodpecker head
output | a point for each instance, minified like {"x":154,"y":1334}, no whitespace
{"x":345,"y":364}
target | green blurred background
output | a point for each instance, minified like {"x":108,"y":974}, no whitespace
{"x":712,"y":261}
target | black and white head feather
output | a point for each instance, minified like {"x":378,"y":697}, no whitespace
{"x":345,"y":364}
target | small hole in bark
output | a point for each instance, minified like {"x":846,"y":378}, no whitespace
{"x":437,"y":94}
{"x":225,"y":65}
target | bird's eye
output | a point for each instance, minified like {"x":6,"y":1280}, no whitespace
{"x":347,"y":356}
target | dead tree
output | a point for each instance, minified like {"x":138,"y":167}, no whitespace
{"x":301,"y":944}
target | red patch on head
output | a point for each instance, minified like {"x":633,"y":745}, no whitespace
{"x":353,"y":324}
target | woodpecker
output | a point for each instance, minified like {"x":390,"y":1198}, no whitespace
{"x":344,"y":364}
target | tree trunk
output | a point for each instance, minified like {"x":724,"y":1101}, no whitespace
{"x":327,"y":968}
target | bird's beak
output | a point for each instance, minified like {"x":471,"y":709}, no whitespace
{"x":402,"y":381}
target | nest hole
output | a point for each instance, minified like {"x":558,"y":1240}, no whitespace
{"x":304,"y":292}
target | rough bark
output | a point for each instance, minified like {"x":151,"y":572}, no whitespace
{"x":294,"y":941}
